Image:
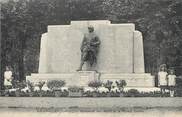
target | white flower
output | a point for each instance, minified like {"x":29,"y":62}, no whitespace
{"x":88,"y":89}
{"x":64,"y":88}
{"x":115,"y":89}
{"x":12,"y":90}
{"x":103,"y":89}
{"x":26,"y":89}
{"x":36,"y":88}
{"x":45,"y":88}
{"x":143,"y":89}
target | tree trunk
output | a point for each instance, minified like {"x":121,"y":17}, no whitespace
{"x":1,"y":76}
{"x":21,"y":57}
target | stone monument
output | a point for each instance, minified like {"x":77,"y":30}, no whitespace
{"x":120,"y":54}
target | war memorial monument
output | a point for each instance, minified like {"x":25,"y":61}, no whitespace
{"x":117,"y":54}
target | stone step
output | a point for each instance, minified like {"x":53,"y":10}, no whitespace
{"x":121,"y":75}
{"x":84,"y":77}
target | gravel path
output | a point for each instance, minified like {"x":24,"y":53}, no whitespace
{"x":71,"y":103}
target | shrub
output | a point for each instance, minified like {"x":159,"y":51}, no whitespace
{"x":40,"y":91}
{"x":75,"y":89}
{"x":30,"y":86}
{"x":87,"y":94}
{"x":103,"y":94}
{"x":41,"y":84}
{"x":65,"y":93}
{"x":133,"y":93}
{"x":108,"y":85}
{"x":114,"y":94}
{"x":95,"y":84}
{"x":19,"y":85}
{"x":121,"y":84}
{"x":55,"y":84}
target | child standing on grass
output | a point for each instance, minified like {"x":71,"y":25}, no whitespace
{"x":162,"y":78}
{"x":8,"y":78}
{"x":171,"y":82}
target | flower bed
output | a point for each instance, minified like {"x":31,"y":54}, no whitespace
{"x":55,"y":88}
{"x":58,"y":93}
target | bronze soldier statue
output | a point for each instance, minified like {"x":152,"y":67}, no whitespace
{"x":89,"y":48}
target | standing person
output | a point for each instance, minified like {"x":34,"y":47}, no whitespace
{"x":8,"y":77}
{"x":162,"y":78}
{"x":171,"y":82}
{"x":89,"y":48}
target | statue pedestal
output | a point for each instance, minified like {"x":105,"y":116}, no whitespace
{"x":82,"y":78}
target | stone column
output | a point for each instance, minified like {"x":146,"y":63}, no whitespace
{"x":43,"y":54}
{"x":139,"y":66}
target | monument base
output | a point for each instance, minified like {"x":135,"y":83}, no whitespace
{"x":132,"y":79}
{"x":82,"y":78}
